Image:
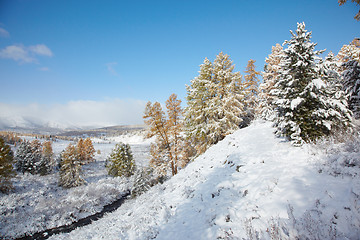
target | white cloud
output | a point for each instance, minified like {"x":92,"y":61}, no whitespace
{"x":73,"y":114}
{"x":41,"y":49}
{"x":4,"y":33}
{"x":24,"y":54}
{"x":110,"y":68}
{"x":17,"y":53}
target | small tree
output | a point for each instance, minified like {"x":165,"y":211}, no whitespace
{"x":6,"y":167}
{"x":351,"y":85}
{"x":86,"y":150}
{"x":89,"y":150}
{"x":251,"y":88}
{"x":271,"y":71}
{"x":142,"y":181}
{"x":28,"y":157}
{"x":70,"y":171}
{"x":121,"y":161}
{"x":47,"y":161}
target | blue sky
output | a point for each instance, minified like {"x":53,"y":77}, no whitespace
{"x":71,"y":55}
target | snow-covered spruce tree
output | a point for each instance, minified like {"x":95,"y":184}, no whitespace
{"x":271,"y":71}
{"x":349,"y":55}
{"x":351,"y":84}
{"x":251,"y":89}
{"x":28,"y":157}
{"x":305,"y":109}
{"x":142,"y":182}
{"x":70,"y":170}
{"x":7,"y":171}
{"x":47,"y":162}
{"x":215,"y":103}
{"x":121,"y":161}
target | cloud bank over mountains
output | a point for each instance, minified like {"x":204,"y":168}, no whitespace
{"x":72,"y":115}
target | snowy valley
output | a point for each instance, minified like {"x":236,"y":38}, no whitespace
{"x":251,"y":185}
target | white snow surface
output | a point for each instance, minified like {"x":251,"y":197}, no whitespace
{"x":250,"y":185}
{"x":38,"y":203}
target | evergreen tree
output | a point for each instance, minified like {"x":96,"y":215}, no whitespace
{"x":142,"y":182}
{"x":271,"y":71}
{"x":70,"y":171}
{"x":251,"y":85}
{"x":47,"y":162}
{"x":349,"y":55}
{"x":121,"y":161}
{"x":6,"y":167}
{"x":198,"y":96}
{"x":89,"y":150}
{"x":305,"y":109}
{"x":28,"y":157}
{"x":80,"y":148}
{"x":170,"y":150}
{"x":351,"y":85}
{"x":215,"y":103}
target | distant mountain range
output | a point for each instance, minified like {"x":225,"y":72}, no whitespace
{"x":28,"y":125}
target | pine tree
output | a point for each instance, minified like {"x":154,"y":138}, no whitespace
{"x":170,"y":149}
{"x":28,"y":157}
{"x":89,"y":150}
{"x":251,"y":88}
{"x":142,"y":182}
{"x":305,"y":108}
{"x":47,"y":160}
{"x":174,"y":126}
{"x":349,"y":55}
{"x":70,"y":171}
{"x":215,"y":103}
{"x":121,"y":161}
{"x":7,"y":171}
{"x":271,"y":71}
{"x":196,"y":118}
{"x":80,"y":148}
{"x":351,"y":85}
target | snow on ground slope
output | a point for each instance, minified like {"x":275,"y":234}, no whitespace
{"x":250,"y":185}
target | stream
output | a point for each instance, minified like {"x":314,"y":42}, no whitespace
{"x":45,"y":234}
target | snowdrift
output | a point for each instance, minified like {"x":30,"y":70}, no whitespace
{"x":251,"y":185}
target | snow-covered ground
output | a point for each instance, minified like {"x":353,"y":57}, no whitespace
{"x":251,"y":185}
{"x":38,"y":203}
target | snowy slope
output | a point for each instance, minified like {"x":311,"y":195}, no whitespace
{"x":250,"y":185}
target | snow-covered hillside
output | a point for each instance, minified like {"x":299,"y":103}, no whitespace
{"x":250,"y":185}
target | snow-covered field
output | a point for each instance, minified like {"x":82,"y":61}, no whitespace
{"x":251,"y":185}
{"x":38,"y":203}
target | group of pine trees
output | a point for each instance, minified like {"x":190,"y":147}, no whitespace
{"x":306,"y":97}
{"x":34,"y":157}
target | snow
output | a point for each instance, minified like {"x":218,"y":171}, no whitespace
{"x":295,"y":102}
{"x":251,"y":183}
{"x":38,"y":203}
